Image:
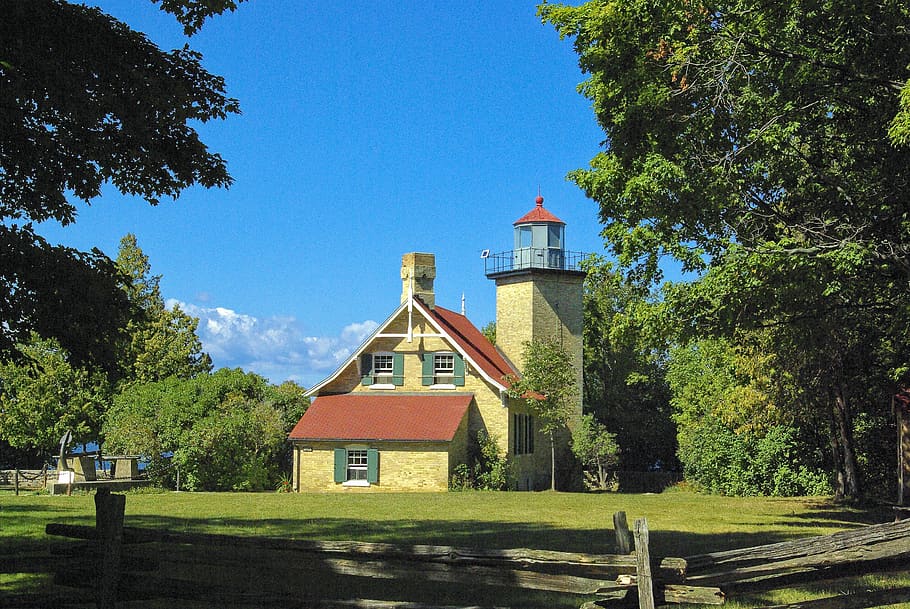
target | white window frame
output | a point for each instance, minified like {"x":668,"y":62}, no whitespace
{"x":444,"y":377}
{"x":386,"y":374}
{"x":356,"y":465}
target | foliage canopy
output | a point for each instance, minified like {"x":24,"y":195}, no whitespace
{"x":224,"y":431}
{"x":764,"y":124}
{"x":764,"y":146}
{"x":85,"y":100}
{"x":625,"y":359}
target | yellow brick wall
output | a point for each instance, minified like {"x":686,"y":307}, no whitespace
{"x":424,"y":466}
{"x":514,"y":322}
{"x":531,"y":472}
{"x":541,"y":305}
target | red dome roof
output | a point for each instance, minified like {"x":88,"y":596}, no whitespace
{"x":538,"y":214}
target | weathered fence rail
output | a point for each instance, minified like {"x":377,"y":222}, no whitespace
{"x":114,"y":563}
{"x":744,"y":568}
{"x":817,"y":560}
{"x":138,"y":563}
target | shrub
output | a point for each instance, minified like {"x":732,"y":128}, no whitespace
{"x":462,"y":478}
{"x":490,"y":471}
{"x":598,"y":452}
{"x":718,"y":460}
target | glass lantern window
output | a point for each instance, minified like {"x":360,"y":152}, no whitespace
{"x":525,"y":236}
{"x":554,"y":238}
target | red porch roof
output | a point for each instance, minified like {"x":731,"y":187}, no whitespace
{"x":365,"y":416}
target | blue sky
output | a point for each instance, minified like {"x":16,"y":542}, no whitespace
{"x":368,"y":130}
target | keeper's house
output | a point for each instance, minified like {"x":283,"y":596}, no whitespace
{"x":406,"y":408}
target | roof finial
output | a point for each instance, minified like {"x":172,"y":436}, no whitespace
{"x":539,"y":199}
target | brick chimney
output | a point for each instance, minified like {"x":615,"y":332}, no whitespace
{"x":417,"y":273}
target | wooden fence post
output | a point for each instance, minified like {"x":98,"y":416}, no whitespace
{"x":643,"y":565}
{"x":109,"y":511}
{"x":16,"y":482}
{"x":623,"y":536}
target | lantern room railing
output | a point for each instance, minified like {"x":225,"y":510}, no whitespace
{"x":533,"y":258}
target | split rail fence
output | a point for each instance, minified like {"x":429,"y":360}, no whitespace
{"x":114,"y":564}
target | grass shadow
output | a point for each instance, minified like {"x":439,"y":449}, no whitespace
{"x":277,"y":575}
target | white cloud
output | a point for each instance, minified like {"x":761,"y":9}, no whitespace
{"x":275,"y":347}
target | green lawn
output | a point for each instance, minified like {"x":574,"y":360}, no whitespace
{"x":682,"y":523}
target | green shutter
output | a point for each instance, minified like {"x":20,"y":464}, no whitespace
{"x":372,"y":466}
{"x":366,"y":369}
{"x":459,"y":370}
{"x":341,"y":465}
{"x":398,"y":369}
{"x":427,"y":373}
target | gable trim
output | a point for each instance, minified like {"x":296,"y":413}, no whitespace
{"x":456,"y":345}
{"x":355,"y":355}
{"x":379,"y":333}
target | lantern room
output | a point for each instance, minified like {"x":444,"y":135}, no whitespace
{"x":539,"y":243}
{"x":539,"y":240}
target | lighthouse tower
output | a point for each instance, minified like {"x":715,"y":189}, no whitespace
{"x":539,"y":289}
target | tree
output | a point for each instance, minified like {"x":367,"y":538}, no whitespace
{"x":548,"y":387}
{"x":163,"y":342}
{"x":45,"y":392}
{"x":85,"y":100}
{"x":763,"y":123}
{"x":290,"y":401}
{"x":597,"y":449}
{"x":831,"y":338}
{"x":489,"y":331}
{"x":43,"y":395}
{"x":625,"y":347}
{"x":224,"y":431}
{"x":755,"y":136}
{"x":735,"y":438}
{"x":62,"y":294}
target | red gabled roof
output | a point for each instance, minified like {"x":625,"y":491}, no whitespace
{"x":538,"y":214}
{"x":367,"y":416}
{"x":474,"y":344}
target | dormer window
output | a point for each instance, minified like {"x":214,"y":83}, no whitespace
{"x":382,"y":370}
{"x":443,"y":369}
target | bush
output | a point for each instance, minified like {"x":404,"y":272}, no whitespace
{"x":462,"y":478}
{"x":718,"y":460}
{"x":490,"y":471}
{"x":225,"y":431}
{"x":598,"y":452}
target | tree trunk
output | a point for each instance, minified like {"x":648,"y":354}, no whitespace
{"x":552,"y":460}
{"x":836,"y":459}
{"x":843,"y":420}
